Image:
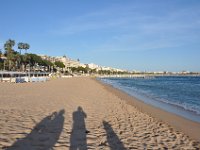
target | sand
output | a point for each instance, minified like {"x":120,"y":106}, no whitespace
{"x":81,"y":113}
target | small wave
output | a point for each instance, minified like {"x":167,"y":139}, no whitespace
{"x":149,"y":95}
{"x":185,"y":106}
{"x":153,"y":92}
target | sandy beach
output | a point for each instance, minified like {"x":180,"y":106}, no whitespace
{"x":81,"y":113}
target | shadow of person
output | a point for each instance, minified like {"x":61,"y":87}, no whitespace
{"x":78,"y":133}
{"x":112,"y":138}
{"x":44,"y":135}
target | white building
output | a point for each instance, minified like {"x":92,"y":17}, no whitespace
{"x":93,"y":66}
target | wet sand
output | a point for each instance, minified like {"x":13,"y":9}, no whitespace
{"x":81,"y":113}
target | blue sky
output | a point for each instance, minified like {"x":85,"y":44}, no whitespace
{"x":149,"y":35}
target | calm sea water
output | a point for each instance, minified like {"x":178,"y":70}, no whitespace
{"x":179,"y":95}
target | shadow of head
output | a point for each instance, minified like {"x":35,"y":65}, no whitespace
{"x":106,"y":125}
{"x":61,"y":112}
{"x":79,"y":108}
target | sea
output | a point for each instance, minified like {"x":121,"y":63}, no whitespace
{"x":176,"y":94}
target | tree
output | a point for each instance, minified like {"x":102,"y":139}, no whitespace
{"x":9,"y":52}
{"x":16,"y":59}
{"x":25,"y":58}
{"x":24,"y":46}
{"x":59,"y":64}
{"x":20,"y":46}
{"x":33,"y":59}
{"x":9,"y":44}
{"x":25,"y":61}
{"x":48,"y":64}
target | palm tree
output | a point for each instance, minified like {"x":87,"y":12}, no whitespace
{"x":9,"y":44}
{"x":20,"y":46}
{"x":26,"y":46}
{"x":9,"y":51}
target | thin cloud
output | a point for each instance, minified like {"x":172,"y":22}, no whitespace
{"x":135,"y":30}
{"x":83,"y":25}
{"x":103,"y":19}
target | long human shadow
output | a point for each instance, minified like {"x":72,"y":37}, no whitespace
{"x":44,"y":135}
{"x":78,"y":139}
{"x":112,"y":138}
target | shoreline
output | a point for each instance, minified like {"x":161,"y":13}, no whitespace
{"x":189,"y":127}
